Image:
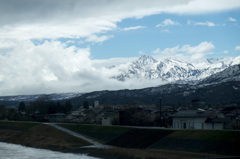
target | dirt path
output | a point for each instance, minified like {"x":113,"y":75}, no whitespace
{"x":94,"y":143}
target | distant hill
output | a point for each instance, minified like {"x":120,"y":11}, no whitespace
{"x":171,"y":94}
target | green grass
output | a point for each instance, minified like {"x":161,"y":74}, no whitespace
{"x":38,"y":135}
{"x":16,"y":126}
{"x":102,"y":134}
{"x":44,"y":136}
{"x":215,"y":135}
{"x":204,"y":141}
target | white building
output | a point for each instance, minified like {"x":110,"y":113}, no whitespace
{"x":197,"y":119}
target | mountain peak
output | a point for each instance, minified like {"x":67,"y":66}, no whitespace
{"x":146,"y":59}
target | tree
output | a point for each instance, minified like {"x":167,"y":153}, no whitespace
{"x":68,"y":106}
{"x":3,"y":112}
{"x":86,"y":105}
{"x":43,"y":104}
{"x":22,"y":107}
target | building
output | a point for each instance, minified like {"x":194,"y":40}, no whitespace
{"x":57,"y":117}
{"x":110,"y":119}
{"x":197,"y":119}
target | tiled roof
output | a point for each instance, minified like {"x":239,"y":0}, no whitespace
{"x":193,"y":113}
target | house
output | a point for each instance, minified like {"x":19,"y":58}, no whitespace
{"x":93,"y":115}
{"x":77,"y":116}
{"x":232,"y":116}
{"x":197,"y":119}
{"x":57,"y":117}
{"x":110,"y":119}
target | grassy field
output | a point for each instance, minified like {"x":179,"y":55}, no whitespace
{"x":103,"y":134}
{"x":16,"y":126}
{"x":204,"y":141}
{"x":131,"y":143}
{"x":37,"y":135}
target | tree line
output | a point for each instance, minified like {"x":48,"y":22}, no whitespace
{"x":37,"y":110}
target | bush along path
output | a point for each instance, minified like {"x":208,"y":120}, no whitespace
{"x":94,"y":143}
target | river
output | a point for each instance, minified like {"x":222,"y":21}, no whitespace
{"x":13,"y":151}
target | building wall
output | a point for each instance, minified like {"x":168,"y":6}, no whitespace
{"x":195,"y":123}
{"x":189,"y":123}
{"x":214,"y":126}
{"x":107,"y":121}
{"x":218,"y":126}
{"x":110,"y":120}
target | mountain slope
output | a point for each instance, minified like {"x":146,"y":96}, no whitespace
{"x":171,"y":95}
{"x":232,"y":73}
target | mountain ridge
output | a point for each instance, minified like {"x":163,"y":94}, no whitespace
{"x":171,"y":70}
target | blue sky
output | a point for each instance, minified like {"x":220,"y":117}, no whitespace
{"x":224,"y":35}
{"x":50,"y":46}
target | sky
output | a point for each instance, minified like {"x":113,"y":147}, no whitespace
{"x":53,"y":46}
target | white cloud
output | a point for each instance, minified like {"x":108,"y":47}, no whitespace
{"x":204,"y":6}
{"x":187,"y":52}
{"x":237,"y":48}
{"x":133,"y":28}
{"x":49,"y":67}
{"x":206,"y":23}
{"x":141,"y":53}
{"x":232,"y":19}
{"x":70,"y":19}
{"x":165,"y":31}
{"x":157,"y":51}
{"x":225,"y":51}
{"x":168,"y":22}
{"x":98,"y":39}
{"x":27,"y":19}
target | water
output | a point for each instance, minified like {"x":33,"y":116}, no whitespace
{"x":13,"y":151}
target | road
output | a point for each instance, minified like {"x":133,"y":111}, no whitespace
{"x":94,"y":143}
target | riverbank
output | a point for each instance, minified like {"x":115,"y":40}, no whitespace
{"x":39,"y":135}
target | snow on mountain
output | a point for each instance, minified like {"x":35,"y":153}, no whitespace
{"x":144,"y":67}
{"x":231,"y":73}
{"x":172,"y":70}
{"x":56,"y":96}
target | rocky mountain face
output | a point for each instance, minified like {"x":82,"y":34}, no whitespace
{"x":172,"y":70}
{"x":231,"y":73}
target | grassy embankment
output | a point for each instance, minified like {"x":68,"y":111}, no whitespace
{"x":151,"y":143}
{"x":38,"y":135}
{"x":205,"y":141}
{"x":135,"y":143}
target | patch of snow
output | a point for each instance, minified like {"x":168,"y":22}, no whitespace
{"x":236,"y":88}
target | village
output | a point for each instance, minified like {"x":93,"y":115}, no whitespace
{"x":188,"y":117}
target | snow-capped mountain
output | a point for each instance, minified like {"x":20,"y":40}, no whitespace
{"x":231,"y":73}
{"x":172,"y":70}
{"x":144,"y":67}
